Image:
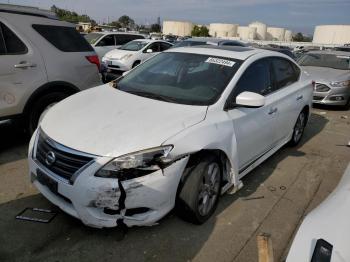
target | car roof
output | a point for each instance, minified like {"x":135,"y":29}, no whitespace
{"x":331,"y":52}
{"x":27,"y":10}
{"x":149,"y":41}
{"x":235,"y":52}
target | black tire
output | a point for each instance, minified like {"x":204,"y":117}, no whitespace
{"x":40,"y":105}
{"x":190,"y":204}
{"x":298,"y":129}
{"x":347,"y":106}
{"x":136,"y":64}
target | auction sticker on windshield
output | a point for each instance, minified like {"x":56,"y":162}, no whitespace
{"x":220,"y":61}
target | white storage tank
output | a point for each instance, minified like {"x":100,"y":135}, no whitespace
{"x":261,"y":30}
{"x":332,"y":34}
{"x":223,"y":30}
{"x":178,"y":28}
{"x":275,"y":33}
{"x":246,"y":32}
{"x":288,"y":36}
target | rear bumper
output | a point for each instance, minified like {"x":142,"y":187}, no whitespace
{"x":137,"y":202}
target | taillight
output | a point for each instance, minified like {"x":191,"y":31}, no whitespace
{"x":93,"y":59}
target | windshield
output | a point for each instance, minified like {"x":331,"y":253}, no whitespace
{"x":134,"y":46}
{"x":182,"y":78}
{"x":326,"y":60}
{"x":93,"y":37}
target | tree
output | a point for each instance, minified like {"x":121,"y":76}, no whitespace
{"x":299,"y":37}
{"x":115,"y":24}
{"x":72,"y":17}
{"x":155,"y":28}
{"x":200,"y":31}
{"x":126,"y":21}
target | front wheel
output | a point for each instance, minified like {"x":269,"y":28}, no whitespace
{"x":298,"y":130}
{"x":200,"y":192}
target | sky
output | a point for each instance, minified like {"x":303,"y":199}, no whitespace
{"x":297,"y":15}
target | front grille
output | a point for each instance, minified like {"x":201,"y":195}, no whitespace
{"x":65,"y":163}
{"x":321,"y":88}
{"x":318,"y":98}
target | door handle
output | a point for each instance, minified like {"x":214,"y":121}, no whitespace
{"x":299,"y":97}
{"x":273,"y":110}
{"x":25,"y":65}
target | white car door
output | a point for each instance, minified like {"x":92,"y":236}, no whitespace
{"x":288,"y":92}
{"x":254,"y":128}
{"x":21,"y":70}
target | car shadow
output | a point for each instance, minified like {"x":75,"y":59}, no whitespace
{"x":67,"y":239}
{"x":329,"y":107}
{"x":14,"y":142}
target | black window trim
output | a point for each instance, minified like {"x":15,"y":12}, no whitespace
{"x":99,"y":40}
{"x":52,"y":44}
{"x":3,"y":39}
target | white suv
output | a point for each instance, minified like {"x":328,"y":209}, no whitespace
{"x":104,"y":42}
{"x":42,"y":61}
{"x":177,"y":130}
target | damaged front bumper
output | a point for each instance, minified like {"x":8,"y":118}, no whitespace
{"x":107,"y":202}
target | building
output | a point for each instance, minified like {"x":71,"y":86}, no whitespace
{"x":261,"y":30}
{"x":288,"y":36}
{"x":223,"y":30}
{"x":332,"y":34}
{"x":275,"y":34}
{"x":246,"y":33}
{"x":178,"y":28}
{"x":84,"y":26}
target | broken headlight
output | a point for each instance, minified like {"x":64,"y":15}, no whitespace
{"x":136,"y":164}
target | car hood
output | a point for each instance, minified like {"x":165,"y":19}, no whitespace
{"x":107,"y":122}
{"x":326,"y":74}
{"x":118,"y":53}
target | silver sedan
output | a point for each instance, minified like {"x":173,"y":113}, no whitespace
{"x":330,"y":71}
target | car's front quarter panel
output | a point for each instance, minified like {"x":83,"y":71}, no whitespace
{"x":216,"y":132}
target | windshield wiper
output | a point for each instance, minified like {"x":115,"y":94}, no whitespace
{"x":154,"y":96}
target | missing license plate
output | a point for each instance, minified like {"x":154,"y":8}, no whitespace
{"x":36,"y":215}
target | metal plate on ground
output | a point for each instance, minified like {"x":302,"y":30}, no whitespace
{"x":36,"y":215}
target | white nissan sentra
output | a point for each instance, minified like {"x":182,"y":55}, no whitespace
{"x":176,"y":131}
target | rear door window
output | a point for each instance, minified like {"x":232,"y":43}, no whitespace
{"x":108,"y":40}
{"x":66,"y":39}
{"x":283,"y":72}
{"x":10,"y":44}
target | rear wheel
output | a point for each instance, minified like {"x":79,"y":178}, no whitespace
{"x":200,"y":192}
{"x":40,"y":108}
{"x":298,"y":130}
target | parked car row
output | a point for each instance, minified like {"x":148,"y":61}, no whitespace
{"x":183,"y":126}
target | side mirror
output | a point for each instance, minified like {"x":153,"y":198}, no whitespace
{"x":250,"y":99}
{"x":149,"y":51}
